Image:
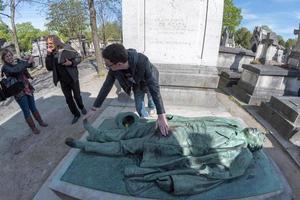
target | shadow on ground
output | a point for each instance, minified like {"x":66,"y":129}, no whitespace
{"x":27,"y":160}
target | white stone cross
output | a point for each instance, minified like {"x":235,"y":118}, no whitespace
{"x":269,"y":40}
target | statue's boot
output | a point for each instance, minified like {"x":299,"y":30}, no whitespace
{"x":71,"y":142}
{"x":109,"y":149}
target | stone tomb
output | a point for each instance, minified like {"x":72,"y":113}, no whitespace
{"x":283,"y":113}
{"x":228,"y":78}
{"x":182,"y":39}
{"x":294,"y":57}
{"x":260,"y":82}
{"x":230,"y":64}
{"x":234,"y":58}
{"x":68,"y":180}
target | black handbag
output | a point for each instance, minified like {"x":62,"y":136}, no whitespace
{"x":10,"y":87}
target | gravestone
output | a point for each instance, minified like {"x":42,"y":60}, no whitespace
{"x":265,"y":44}
{"x":39,"y":51}
{"x":230,"y":64}
{"x":80,"y":45}
{"x":182,"y":39}
{"x":282,"y":116}
{"x":287,"y":54}
{"x":259,"y":82}
{"x":294,"y":57}
{"x":227,"y":39}
{"x":257,"y":36}
{"x":283,"y":113}
{"x":279,"y":54}
{"x":269,"y":48}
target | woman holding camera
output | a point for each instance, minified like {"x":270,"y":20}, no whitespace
{"x":17,"y":71}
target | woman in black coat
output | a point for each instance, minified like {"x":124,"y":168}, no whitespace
{"x":16,"y":71}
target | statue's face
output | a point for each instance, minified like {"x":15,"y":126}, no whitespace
{"x":255,"y":138}
{"x":51,"y":43}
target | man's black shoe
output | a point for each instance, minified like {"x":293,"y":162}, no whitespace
{"x":75,"y":119}
{"x":83,"y":111}
{"x":70,"y":142}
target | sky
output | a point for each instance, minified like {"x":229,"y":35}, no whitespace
{"x":282,"y":16}
{"x":31,"y":12}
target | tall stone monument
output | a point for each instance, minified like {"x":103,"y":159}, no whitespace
{"x":294,"y":57}
{"x":265,"y":44}
{"x":182,"y":39}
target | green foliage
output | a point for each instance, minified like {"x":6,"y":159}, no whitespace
{"x":68,"y":18}
{"x":280,"y":40}
{"x":109,"y":18}
{"x":232,"y":16}
{"x":4,"y":32}
{"x":112,"y":31}
{"x":243,"y":37}
{"x":290,"y":43}
{"x":88,"y":36}
{"x":27,"y":34}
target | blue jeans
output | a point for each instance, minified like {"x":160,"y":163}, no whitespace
{"x":27,"y":104}
{"x":139,"y":97}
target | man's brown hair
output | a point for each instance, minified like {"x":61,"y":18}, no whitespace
{"x":56,"y":41}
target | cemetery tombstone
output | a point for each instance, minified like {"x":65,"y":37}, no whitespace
{"x":182,"y":39}
{"x":294,"y":57}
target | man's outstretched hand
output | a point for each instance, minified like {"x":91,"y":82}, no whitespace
{"x":90,"y":113}
{"x":162,"y":124}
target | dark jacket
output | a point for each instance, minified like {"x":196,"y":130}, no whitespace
{"x":53,"y":62}
{"x":15,"y":74}
{"x":145,"y":76}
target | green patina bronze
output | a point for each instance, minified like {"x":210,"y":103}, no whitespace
{"x":199,"y":153}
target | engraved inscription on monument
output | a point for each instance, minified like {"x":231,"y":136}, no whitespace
{"x":169,"y":27}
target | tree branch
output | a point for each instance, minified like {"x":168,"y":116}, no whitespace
{"x":6,"y":15}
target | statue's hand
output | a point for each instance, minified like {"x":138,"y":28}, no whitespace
{"x":162,"y":124}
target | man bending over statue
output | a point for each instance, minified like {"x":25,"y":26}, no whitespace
{"x":134,"y":72}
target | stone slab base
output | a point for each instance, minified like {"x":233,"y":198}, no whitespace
{"x":247,"y":98}
{"x":189,"y":97}
{"x":288,"y":106}
{"x":188,"y":76}
{"x":277,"y":120}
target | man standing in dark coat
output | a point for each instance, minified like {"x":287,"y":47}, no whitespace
{"x":62,"y":59}
{"x":135,"y":73}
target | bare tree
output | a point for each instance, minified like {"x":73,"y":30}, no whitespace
{"x":13,"y":5}
{"x":93,"y":23}
{"x":12,"y":8}
{"x":108,"y":11}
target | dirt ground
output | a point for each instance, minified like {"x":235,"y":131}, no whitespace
{"x":27,"y":160}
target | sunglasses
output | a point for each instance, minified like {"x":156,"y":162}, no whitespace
{"x":108,"y":67}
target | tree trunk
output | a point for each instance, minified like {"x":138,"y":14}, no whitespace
{"x":95,"y":37}
{"x":13,"y":27}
